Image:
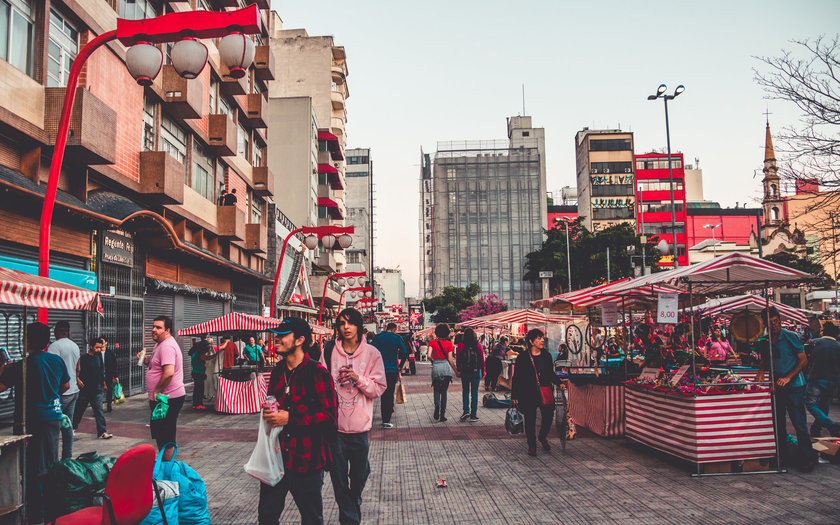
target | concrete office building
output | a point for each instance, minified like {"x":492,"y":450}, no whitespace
{"x":653,"y":197}
{"x":483,"y":208}
{"x":391,"y":287}
{"x":605,"y":177}
{"x":359,"y":197}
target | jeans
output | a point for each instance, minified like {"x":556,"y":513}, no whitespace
{"x":792,"y":401}
{"x":95,"y":400}
{"x":388,"y":396}
{"x":349,"y":474}
{"x":440,"y":387}
{"x":198,"y":389}
{"x":494,"y":368}
{"x":530,"y":415}
{"x":306,"y":491}
{"x":68,"y":407}
{"x":164,"y":430}
{"x":43,"y":454}
{"x":818,"y":395}
{"x":469,"y":386}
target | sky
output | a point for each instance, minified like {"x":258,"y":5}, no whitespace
{"x":424,"y":72}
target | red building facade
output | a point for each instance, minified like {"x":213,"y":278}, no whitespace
{"x":653,"y":201}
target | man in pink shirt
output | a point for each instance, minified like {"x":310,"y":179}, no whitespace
{"x":165,"y":375}
{"x":359,"y":375}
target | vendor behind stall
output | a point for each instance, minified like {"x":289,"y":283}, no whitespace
{"x":252,"y":352}
{"x":231,"y":353}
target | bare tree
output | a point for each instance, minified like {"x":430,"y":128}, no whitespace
{"x":809,"y":77}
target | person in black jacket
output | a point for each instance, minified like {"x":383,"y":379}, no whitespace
{"x":525,"y":391}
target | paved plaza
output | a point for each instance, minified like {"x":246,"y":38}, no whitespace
{"x":490,"y":478}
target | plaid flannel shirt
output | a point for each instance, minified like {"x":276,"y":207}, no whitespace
{"x":311,"y":414}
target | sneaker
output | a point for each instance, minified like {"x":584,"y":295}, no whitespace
{"x":443,"y":419}
{"x":464,"y":416}
{"x":387,"y":425}
{"x":105,"y":435}
{"x":473,"y":419}
{"x":532,"y":451}
{"x":437,"y":413}
{"x":545,"y":445}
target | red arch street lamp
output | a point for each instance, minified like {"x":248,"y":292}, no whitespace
{"x":366,"y":302}
{"x":342,"y":278}
{"x":353,"y":291}
{"x":328,"y":235}
{"x":144,"y":62}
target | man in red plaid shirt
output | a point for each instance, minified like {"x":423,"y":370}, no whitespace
{"x":307,"y":412}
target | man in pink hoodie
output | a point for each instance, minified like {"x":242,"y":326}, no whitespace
{"x":359,"y":376}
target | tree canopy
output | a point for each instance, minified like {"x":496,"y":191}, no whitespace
{"x":445,"y":307}
{"x":803,"y":264}
{"x":588,"y":251}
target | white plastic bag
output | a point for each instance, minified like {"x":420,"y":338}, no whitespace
{"x":266,"y":463}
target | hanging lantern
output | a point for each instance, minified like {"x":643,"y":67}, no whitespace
{"x":189,"y":56}
{"x":328,"y":241}
{"x":345,"y":240}
{"x":351,"y":281}
{"x":237,"y":52}
{"x":143,"y":61}
{"x":310,"y":241}
{"x":368,"y":294}
{"x":361,"y":281}
{"x":342,"y":281}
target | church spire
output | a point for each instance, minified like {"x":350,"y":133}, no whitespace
{"x":769,"y":153}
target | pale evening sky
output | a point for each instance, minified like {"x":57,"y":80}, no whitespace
{"x":424,"y":72}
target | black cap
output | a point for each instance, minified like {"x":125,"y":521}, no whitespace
{"x":297,"y":326}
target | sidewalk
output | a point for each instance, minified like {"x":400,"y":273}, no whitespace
{"x":491,"y":479}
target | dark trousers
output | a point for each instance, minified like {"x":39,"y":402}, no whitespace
{"x":388,"y":396}
{"x":198,"y":389}
{"x":530,"y":414}
{"x":109,"y":379}
{"x":818,"y":396}
{"x":412,"y":368}
{"x":306,"y":491}
{"x":792,"y":401}
{"x":43,"y":454}
{"x":493,"y":369}
{"x":68,"y":408}
{"x":349,"y":474}
{"x":164,"y":430}
{"x":95,"y":400}
{"x":440,"y":387}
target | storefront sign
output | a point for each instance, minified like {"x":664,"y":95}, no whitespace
{"x":609,"y":314}
{"x":117,"y":247}
{"x":666,"y":311}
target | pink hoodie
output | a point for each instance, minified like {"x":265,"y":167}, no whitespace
{"x":355,"y":403}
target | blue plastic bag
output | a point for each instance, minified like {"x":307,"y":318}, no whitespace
{"x":168,"y":491}
{"x":192,"y":498}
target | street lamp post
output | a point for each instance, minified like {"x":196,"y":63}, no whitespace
{"x":362,"y":289}
{"x":345,"y":275}
{"x":714,"y":241}
{"x":660,"y":93}
{"x":834,"y":257}
{"x":144,"y":61}
{"x":565,"y":221}
{"x":327,"y":234}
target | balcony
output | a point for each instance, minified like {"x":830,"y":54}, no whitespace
{"x":93,"y":126}
{"x":334,"y":207}
{"x":264,"y":63}
{"x":263,"y":181}
{"x":337,"y":100}
{"x":221,"y":135}
{"x":230,"y":223}
{"x":181,"y":98}
{"x":232,"y":86}
{"x":257,"y":108}
{"x":263,"y":4}
{"x":256,"y":238}
{"x":161,"y":177}
{"x":338,"y":74}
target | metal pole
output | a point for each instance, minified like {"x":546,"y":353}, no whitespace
{"x":608,"y":264}
{"x":772,"y":387}
{"x":671,"y":183}
{"x":569,"y":258}
{"x":323,"y":297}
{"x":834,"y":256}
{"x":280,"y":265}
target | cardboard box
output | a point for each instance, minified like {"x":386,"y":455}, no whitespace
{"x":720,"y":467}
{"x":755,"y":465}
{"x":830,"y":446}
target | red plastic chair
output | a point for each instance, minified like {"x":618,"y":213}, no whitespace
{"x":128,"y":492}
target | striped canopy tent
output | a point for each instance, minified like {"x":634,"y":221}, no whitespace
{"x":571,"y":297}
{"x":23,"y":289}
{"x":484,"y":320}
{"x":232,"y":322}
{"x":607,"y":293}
{"x":523,"y":316}
{"x":732,"y":305}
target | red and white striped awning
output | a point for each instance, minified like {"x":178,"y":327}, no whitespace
{"x":732,"y":305}
{"x":605,"y":293}
{"x":232,"y":322}
{"x":24,"y":289}
{"x":525,"y":316}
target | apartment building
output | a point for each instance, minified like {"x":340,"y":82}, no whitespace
{"x":605,"y":177}
{"x":137,"y":214}
{"x":654,"y":206}
{"x":360,"y":209}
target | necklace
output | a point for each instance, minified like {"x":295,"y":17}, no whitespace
{"x":288,"y":374}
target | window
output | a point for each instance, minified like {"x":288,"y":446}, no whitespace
{"x":173,"y":140}
{"x":62,"y":49}
{"x":356,"y":174}
{"x":212,"y":98}
{"x":609,"y":145}
{"x":202,"y":5}
{"x":137,"y":9}
{"x":357,"y":160}
{"x":259,"y":153}
{"x":774,"y":214}
{"x":662,"y":206}
{"x":148,"y":125}
{"x":202,"y":174}
{"x":658,"y":164}
{"x":242,"y":141}
{"x":659,"y":185}
{"x":16,"y":33}
{"x":611,"y":167}
{"x":773,"y":190}
{"x":256,"y":211}
{"x":224,"y":107}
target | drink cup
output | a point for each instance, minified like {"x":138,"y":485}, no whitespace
{"x":141,"y":358}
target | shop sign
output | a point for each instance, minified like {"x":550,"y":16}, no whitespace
{"x":612,"y":179}
{"x":666,"y":312}
{"x":118,"y":248}
{"x":609,"y":314}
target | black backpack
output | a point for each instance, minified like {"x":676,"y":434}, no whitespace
{"x":470,"y":359}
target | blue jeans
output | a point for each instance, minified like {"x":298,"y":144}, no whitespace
{"x":792,"y":401}
{"x":68,"y":407}
{"x":95,"y":400}
{"x":469,"y":386}
{"x":349,"y":474}
{"x":818,"y":395}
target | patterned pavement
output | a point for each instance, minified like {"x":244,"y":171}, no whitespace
{"x":491,"y":479}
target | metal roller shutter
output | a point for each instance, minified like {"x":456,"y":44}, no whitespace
{"x":196,"y":310}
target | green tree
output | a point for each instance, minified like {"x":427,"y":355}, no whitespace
{"x":445,"y":307}
{"x":588,"y":251}
{"x":803,"y":264}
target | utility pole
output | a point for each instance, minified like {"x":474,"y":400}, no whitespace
{"x":608,"y":264}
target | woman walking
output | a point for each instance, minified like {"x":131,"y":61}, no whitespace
{"x":531,"y":389}
{"x":440,"y":350}
{"x":470,"y":367}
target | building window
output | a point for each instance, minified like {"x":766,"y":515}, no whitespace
{"x":611,"y":167}
{"x":148,"y":125}
{"x":173,"y":140}
{"x":658,"y":164}
{"x":224,"y":106}
{"x":202,"y":5}
{"x":16,"y":33}
{"x":202,"y":173}
{"x":256,"y":211}
{"x":242,"y":141}
{"x":773,"y":190}
{"x":609,"y":145}
{"x":137,"y":9}
{"x":774,"y":214}
{"x":259,"y":153}
{"x":62,"y":49}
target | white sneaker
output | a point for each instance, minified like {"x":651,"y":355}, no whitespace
{"x":105,"y":435}
{"x":387,"y":425}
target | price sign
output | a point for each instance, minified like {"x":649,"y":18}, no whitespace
{"x":609,"y":314}
{"x":666,"y":312}
{"x":649,"y":373}
{"x":678,"y":374}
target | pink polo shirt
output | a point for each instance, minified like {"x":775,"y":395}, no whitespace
{"x":166,"y":353}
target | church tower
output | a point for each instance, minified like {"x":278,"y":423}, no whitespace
{"x":773,"y":203}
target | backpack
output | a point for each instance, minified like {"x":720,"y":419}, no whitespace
{"x":469,"y":359}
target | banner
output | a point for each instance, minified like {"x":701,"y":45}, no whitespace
{"x":666,"y":311}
